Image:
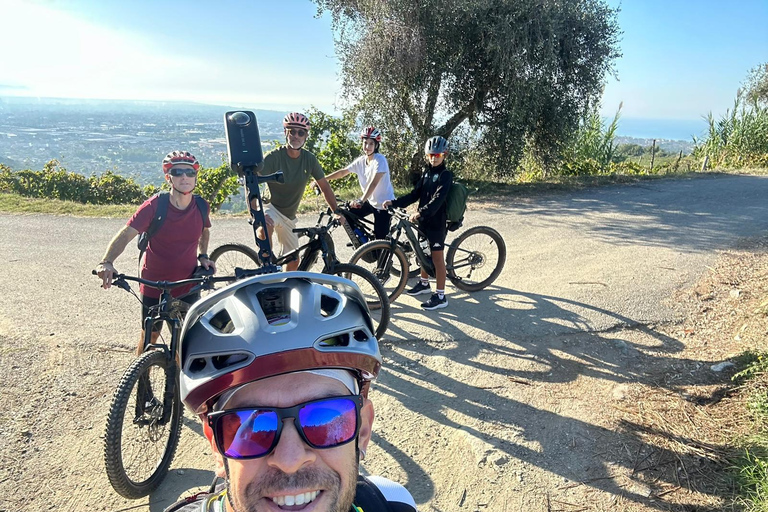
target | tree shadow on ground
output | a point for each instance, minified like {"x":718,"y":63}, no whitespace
{"x":541,"y":340}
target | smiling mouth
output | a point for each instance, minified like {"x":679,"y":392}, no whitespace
{"x":298,"y":499}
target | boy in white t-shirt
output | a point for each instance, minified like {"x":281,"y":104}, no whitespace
{"x":372,"y":172}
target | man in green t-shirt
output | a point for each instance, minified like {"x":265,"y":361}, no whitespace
{"x":299,"y":166}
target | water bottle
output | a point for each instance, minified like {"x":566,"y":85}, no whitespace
{"x":361,"y":236}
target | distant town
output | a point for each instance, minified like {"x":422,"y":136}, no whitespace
{"x":131,"y":137}
{"x":127,"y":137}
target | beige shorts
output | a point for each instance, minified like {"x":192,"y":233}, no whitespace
{"x":283,"y":228}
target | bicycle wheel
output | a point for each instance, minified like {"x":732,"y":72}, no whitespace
{"x":312,"y":261}
{"x":413,"y":262}
{"x":228,"y":257}
{"x":373,"y":291}
{"x":138,"y":445}
{"x":390,"y":268}
{"x":475,"y":259}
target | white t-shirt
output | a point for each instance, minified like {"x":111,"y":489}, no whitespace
{"x":367,"y":170}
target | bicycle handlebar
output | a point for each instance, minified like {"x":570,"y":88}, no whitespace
{"x":119,"y":280}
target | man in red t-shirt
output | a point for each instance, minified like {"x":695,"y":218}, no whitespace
{"x":178,"y":246}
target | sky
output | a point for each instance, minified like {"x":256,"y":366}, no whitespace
{"x":681,"y":58}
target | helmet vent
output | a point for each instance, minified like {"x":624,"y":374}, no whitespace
{"x":197,"y":365}
{"x":328,"y":305}
{"x":360,"y":335}
{"x":341,"y":340}
{"x":220,"y":362}
{"x":222,"y":322}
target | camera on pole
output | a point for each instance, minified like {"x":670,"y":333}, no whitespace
{"x":245,"y":156}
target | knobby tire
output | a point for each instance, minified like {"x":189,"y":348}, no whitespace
{"x":475,"y":259}
{"x":374,"y":293}
{"x":139,"y":449}
{"x":390,"y":268}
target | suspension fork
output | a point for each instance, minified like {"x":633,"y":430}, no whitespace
{"x":171,"y":372}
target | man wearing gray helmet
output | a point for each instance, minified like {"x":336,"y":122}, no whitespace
{"x":278,"y":367}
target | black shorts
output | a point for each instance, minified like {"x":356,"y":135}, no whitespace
{"x":381,"y":218}
{"x":148,"y":302}
{"x":436,"y":237}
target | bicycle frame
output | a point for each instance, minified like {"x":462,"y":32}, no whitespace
{"x":165,"y":311}
{"x":317,"y":241}
{"x":405,"y":226}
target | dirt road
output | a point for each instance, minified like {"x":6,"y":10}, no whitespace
{"x":509,"y":399}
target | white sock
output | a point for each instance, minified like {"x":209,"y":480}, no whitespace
{"x":440,"y":294}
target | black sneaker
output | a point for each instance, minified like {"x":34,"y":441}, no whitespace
{"x":435,"y":302}
{"x":419,"y":289}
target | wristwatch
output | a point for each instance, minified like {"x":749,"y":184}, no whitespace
{"x":202,"y":256}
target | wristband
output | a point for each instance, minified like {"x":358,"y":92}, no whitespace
{"x":104,"y":262}
{"x":203,"y":256}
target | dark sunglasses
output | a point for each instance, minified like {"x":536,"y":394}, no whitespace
{"x":191,"y":173}
{"x":297,"y":131}
{"x":253,"y":432}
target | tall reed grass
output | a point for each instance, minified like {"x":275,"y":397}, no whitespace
{"x":738,"y":139}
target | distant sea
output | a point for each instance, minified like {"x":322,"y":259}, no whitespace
{"x":669,"y":129}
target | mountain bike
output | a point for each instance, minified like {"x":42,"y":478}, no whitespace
{"x":473,"y":260}
{"x":317,"y":255}
{"x":144,"y":419}
{"x":360,"y":231}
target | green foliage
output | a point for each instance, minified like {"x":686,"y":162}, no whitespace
{"x":111,"y":188}
{"x":752,"y":476}
{"x":738,"y":139}
{"x":331,"y":140}
{"x":518,"y":72}
{"x":334,"y":142}
{"x":751,"y":467}
{"x":217,"y":184}
{"x":756,"y":85}
{"x":591,"y":149}
{"x":55,"y":182}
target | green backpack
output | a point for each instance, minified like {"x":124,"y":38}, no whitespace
{"x":456,"y":205}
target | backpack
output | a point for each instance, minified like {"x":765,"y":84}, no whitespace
{"x":163,"y":200}
{"x":456,"y":205}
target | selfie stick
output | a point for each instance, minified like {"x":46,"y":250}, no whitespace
{"x":245,"y":156}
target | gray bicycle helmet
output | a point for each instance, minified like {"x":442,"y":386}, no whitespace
{"x":271,"y":325}
{"x":436,"y":144}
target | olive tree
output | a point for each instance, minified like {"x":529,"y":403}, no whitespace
{"x":516,"y":71}
{"x":756,"y":85}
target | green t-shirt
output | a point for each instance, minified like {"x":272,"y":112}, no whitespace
{"x":297,"y":173}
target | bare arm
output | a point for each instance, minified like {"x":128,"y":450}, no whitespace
{"x":337,"y":174}
{"x":115,"y":248}
{"x":202,"y":248}
{"x":202,"y":245}
{"x":371,"y":186}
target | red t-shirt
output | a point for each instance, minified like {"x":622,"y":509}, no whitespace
{"x":172,"y":251}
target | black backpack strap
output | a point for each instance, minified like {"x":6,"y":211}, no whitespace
{"x":202,"y":205}
{"x":163,"y":200}
{"x":369,"y":498}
